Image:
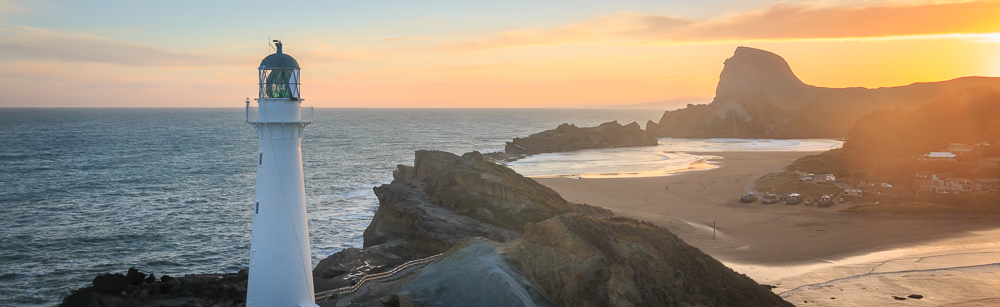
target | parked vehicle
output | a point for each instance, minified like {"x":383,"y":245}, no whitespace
{"x":748,"y":198}
{"x":831,"y":177}
{"x":793,"y":199}
{"x":886,"y":185}
{"x":825,"y":201}
{"x":769,"y":198}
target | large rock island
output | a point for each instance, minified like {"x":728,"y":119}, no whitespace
{"x":569,"y":137}
{"x":758,"y":96}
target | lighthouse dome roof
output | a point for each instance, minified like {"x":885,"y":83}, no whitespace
{"x":279,"y":60}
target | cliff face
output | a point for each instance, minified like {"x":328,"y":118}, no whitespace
{"x":430,"y":207}
{"x":583,"y":260}
{"x":758,"y":96}
{"x":569,"y":137}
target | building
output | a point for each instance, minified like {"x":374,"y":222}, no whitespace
{"x":959,"y":184}
{"x":927,"y":181}
{"x":939,"y":156}
{"x":987,"y":184}
{"x":280,"y":272}
{"x":961,"y":149}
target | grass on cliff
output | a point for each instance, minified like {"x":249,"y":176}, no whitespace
{"x":929,"y":204}
{"x":788,"y":182}
{"x":829,"y":162}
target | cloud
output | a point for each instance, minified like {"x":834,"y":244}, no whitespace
{"x":776,"y":22}
{"x":26,"y":43}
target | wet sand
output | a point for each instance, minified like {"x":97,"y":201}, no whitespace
{"x":801,"y":248}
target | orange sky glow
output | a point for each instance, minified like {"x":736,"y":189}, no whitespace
{"x":606,"y":59}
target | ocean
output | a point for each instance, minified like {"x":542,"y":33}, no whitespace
{"x":169,"y":191}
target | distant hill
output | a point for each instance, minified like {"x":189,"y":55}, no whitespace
{"x":758,"y":96}
{"x":669,"y":104}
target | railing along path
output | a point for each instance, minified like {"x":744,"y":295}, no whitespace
{"x":325,"y":295}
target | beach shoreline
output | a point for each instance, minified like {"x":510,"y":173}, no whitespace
{"x":793,"y":247}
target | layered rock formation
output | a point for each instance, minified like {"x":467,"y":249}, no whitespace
{"x":508,"y":240}
{"x":431,"y":206}
{"x":585,"y":260}
{"x":568,"y":137}
{"x":758,"y":96}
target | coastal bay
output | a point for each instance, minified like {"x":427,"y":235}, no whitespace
{"x":800,"y":248}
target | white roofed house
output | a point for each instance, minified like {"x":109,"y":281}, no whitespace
{"x":939,"y":156}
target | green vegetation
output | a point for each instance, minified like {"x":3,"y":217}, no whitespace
{"x":788,"y":182}
{"x":929,"y":204}
{"x":830,"y":162}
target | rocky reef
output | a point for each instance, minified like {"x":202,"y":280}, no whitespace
{"x":758,"y":96}
{"x":568,"y":137}
{"x":138,"y":289}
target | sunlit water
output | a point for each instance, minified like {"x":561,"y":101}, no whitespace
{"x":670,"y":157}
{"x":169,"y":191}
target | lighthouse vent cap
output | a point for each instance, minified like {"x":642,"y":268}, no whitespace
{"x":279,"y":60}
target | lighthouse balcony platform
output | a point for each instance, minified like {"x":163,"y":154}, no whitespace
{"x":304,"y":116}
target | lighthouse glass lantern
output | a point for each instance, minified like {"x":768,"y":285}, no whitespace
{"x":279,"y":76}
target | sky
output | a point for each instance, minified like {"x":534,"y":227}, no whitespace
{"x":471,"y":54}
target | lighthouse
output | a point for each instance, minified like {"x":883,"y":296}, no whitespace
{"x":280,"y":266}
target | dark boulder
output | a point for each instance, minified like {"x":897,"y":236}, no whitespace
{"x":110,"y":283}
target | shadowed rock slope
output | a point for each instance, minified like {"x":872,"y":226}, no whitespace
{"x":758,"y":96}
{"x":585,"y":260}
{"x":568,"y":137}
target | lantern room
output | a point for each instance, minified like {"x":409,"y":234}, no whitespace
{"x":279,"y":75}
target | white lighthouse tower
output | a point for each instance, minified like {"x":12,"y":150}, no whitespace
{"x":280,"y":266}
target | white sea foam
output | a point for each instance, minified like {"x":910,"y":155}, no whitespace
{"x":669,"y":157}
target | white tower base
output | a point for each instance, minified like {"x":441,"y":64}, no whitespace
{"x":280,"y":266}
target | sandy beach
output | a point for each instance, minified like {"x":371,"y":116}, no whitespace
{"x":814,"y":256}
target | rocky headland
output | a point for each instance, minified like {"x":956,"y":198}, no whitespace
{"x":502,"y":239}
{"x":569,"y":137}
{"x":462,"y":230}
{"x":758,"y":96}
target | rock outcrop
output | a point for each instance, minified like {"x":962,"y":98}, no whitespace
{"x":431,"y":206}
{"x":758,"y":96}
{"x":585,"y":260}
{"x":568,"y":137}
{"x":578,"y":260}
{"x":507,"y":240}
{"x":139,"y":289}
